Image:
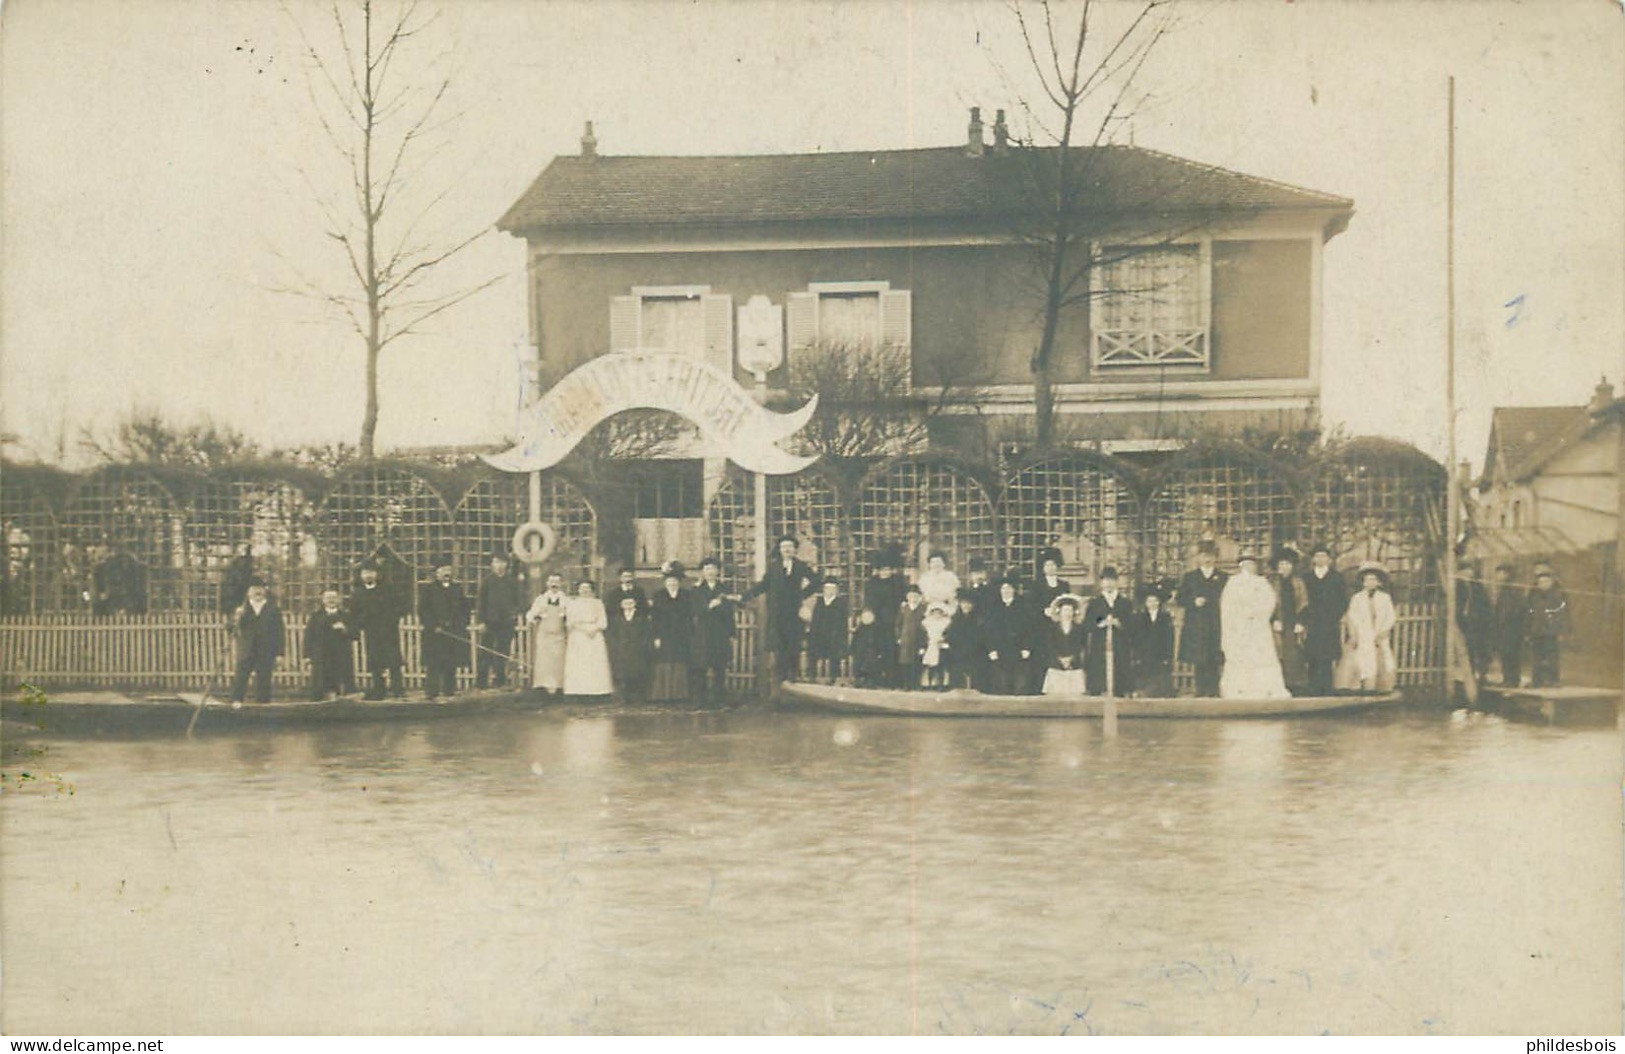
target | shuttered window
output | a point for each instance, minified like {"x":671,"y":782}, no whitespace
{"x":854,"y":318}
{"x":675,"y":320}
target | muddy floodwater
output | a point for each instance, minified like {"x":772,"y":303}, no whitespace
{"x":584,"y":870}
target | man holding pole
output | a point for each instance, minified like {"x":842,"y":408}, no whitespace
{"x":443,"y":611}
{"x":496,"y":611}
{"x":1107,"y":663}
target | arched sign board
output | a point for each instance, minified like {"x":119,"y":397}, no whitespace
{"x":726,"y":415}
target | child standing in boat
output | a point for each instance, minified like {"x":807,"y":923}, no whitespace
{"x":826,"y":632}
{"x":871,"y":652}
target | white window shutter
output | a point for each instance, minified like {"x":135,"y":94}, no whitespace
{"x":624,"y":316}
{"x":801,"y":320}
{"x":719,"y":331}
{"x":896,"y":318}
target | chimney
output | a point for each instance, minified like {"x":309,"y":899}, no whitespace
{"x":1001,"y":134}
{"x":589,"y":142}
{"x":1602,"y":397}
{"x":974,"y":146}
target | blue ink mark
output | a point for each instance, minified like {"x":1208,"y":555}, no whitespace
{"x":1516,"y":305}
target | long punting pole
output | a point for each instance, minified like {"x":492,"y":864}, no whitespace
{"x":1452,"y":495}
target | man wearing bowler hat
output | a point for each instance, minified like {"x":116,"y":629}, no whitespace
{"x":787,"y":583}
{"x":1198,"y":595}
{"x":496,"y":612}
{"x":443,"y":611}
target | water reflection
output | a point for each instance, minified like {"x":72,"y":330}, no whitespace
{"x":599,"y":870}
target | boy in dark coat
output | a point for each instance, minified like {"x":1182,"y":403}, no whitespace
{"x":1154,"y":648}
{"x":871,"y":652}
{"x":631,"y":644}
{"x":1198,"y":595}
{"x":826,"y":633}
{"x":1548,"y":625}
{"x":258,"y":629}
{"x":328,"y":640}
{"x":497,"y":607}
{"x":967,"y":648}
{"x":910,"y":636}
{"x":1106,"y":616}
{"x":1476,"y":617}
{"x":377,"y":614}
{"x":1011,"y":633}
{"x":713,"y":633}
{"x":1326,"y":600}
{"x":443,"y":611}
{"x":1511,"y":616}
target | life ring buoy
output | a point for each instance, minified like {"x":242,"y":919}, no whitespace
{"x":534,"y":541}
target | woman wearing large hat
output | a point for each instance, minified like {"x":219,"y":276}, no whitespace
{"x":1369,"y":653}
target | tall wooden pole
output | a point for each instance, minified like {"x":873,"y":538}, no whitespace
{"x":1452,"y":494}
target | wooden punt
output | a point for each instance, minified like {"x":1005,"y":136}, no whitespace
{"x":967,"y":703}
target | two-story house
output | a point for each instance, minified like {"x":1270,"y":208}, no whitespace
{"x":1201,"y":315}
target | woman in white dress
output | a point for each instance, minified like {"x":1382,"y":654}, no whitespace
{"x":1252,"y":666}
{"x":1370,"y":623}
{"x":586,"y":654}
{"x":546,"y":619}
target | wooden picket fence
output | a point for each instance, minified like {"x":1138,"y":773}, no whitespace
{"x":188,"y":652}
{"x":182,"y":651}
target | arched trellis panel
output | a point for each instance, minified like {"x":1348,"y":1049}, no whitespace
{"x":382,"y":508}
{"x":1230,"y":495}
{"x":923,"y":505}
{"x":493,"y":508}
{"x":1383,"y":501}
{"x":1082,"y":503}
{"x":29,"y":531}
{"x":122,"y":546}
{"x":808,"y":505}
{"x":272,"y":518}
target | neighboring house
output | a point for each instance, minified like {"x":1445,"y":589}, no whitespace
{"x":1551,"y":479}
{"x":1204,"y":316}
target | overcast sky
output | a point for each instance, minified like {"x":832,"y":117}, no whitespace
{"x":152,"y":195}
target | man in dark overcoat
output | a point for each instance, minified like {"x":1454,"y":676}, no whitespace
{"x":497,"y":606}
{"x":377,"y":614}
{"x":713,"y":633}
{"x":257,"y":626}
{"x":1326,"y":602}
{"x":788,"y":582}
{"x":631,"y":649}
{"x":443,"y":612}
{"x":1511,"y":618}
{"x":883,"y":594}
{"x":1198,"y":595}
{"x":1475,"y":615}
{"x":328,"y":640}
{"x":1109,"y":615}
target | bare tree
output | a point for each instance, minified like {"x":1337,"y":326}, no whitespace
{"x":383,"y":125}
{"x":1066,"y":204}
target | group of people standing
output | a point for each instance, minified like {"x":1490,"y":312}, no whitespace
{"x":1514,"y":622}
{"x":1246,"y":635}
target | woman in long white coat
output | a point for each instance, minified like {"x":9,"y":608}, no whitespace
{"x":1252,"y":667}
{"x":1370,"y":624}
{"x":586,"y":654}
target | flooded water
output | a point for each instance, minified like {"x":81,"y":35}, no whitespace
{"x":746,"y":871}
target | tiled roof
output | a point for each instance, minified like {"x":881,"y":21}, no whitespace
{"x":1519,"y":433}
{"x":937,"y":183}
